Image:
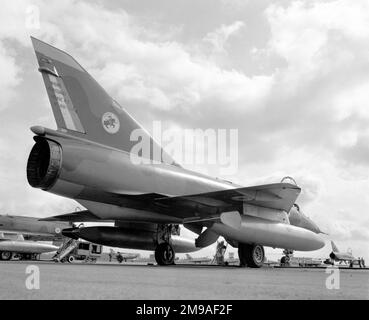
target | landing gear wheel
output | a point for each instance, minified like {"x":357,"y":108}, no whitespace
{"x":27,"y":256}
{"x":5,"y":255}
{"x":251,"y":255}
{"x":70,"y":259}
{"x":35,"y":256}
{"x":164,"y":254}
{"x":241,"y":255}
{"x":285,"y":261}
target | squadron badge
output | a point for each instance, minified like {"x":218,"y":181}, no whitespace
{"x":110,"y":123}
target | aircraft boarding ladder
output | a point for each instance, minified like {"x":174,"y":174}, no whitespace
{"x":220,"y":253}
{"x":65,"y":249}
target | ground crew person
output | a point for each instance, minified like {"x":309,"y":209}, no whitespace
{"x":221,"y":248}
{"x":111,"y":253}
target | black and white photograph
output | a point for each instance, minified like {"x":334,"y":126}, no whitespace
{"x":184,"y":150}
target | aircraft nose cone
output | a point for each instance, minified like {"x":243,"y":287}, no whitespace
{"x":314,"y":227}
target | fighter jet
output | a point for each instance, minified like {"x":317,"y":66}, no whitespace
{"x":125,"y":256}
{"x":19,"y":236}
{"x":32,"y":228}
{"x":12,"y":245}
{"x":191,"y":259}
{"x":336,"y":255}
{"x":92,"y":158}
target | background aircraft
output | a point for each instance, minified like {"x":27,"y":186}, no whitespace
{"x":17,"y":231}
{"x":124,"y":256}
{"x":190,"y":259}
{"x":91,"y":158}
{"x":13,"y":245}
{"x":336,"y":255}
{"x":32,"y":228}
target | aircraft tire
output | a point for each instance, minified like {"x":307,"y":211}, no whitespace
{"x":241,"y":255}
{"x":70,"y":259}
{"x":164,"y":254}
{"x":251,"y":255}
{"x":35,"y":256}
{"x":27,"y":256}
{"x":5,"y":255}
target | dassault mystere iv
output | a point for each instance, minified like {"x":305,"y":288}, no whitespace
{"x":89,"y":159}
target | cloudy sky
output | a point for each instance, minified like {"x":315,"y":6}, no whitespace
{"x":291,"y":76}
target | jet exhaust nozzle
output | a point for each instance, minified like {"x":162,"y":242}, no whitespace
{"x":44,"y":164}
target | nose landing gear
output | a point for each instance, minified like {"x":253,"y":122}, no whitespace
{"x":164,"y":253}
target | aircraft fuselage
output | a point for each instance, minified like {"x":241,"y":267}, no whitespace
{"x":106,"y":181}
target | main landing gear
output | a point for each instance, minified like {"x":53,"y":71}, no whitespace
{"x":164,"y":254}
{"x":5,"y":255}
{"x":251,"y":255}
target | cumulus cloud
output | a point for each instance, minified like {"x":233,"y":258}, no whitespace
{"x":324,"y":48}
{"x":9,"y":77}
{"x":356,"y":153}
{"x":220,"y":36}
{"x":346,"y":230}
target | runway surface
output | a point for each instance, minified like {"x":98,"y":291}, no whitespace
{"x":128,"y":281}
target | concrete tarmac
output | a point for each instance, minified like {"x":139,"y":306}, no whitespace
{"x":180,"y":282}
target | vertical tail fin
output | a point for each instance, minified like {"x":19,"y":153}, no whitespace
{"x":82,"y":107}
{"x":334,"y":247}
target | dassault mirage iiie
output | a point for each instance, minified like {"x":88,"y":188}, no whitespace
{"x":89,"y":159}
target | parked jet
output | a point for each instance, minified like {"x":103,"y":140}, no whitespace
{"x":16,"y":230}
{"x":32,"y":228}
{"x":12,"y":245}
{"x":125,"y":256}
{"x":336,"y":255}
{"x":91,"y":158}
{"x":190,"y":259}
